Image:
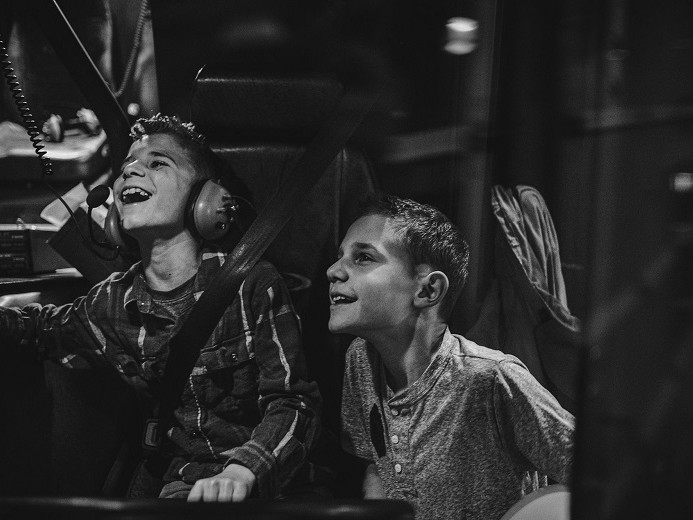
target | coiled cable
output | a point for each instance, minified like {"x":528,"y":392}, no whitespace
{"x":35,"y":137}
{"x":24,"y":110}
{"x":130,"y":67}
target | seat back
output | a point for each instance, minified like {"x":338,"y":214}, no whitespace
{"x":260,"y":125}
{"x":525,"y":312}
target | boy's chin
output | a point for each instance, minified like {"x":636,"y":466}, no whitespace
{"x":335,"y":327}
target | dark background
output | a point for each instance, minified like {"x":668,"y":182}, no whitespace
{"x":588,"y":101}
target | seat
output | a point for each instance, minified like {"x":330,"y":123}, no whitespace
{"x":259,"y":125}
{"x":525,"y":311}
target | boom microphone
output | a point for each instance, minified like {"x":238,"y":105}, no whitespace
{"x":98,"y":196}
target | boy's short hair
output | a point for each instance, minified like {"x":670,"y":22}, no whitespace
{"x":429,"y":237}
{"x":206,"y":163}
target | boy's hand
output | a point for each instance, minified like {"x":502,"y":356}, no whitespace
{"x":372,"y":484}
{"x":234,"y":484}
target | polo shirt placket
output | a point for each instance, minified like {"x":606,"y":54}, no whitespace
{"x":398,"y":424}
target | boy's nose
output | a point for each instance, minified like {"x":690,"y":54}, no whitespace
{"x":335,"y":272}
{"x":132,"y":169}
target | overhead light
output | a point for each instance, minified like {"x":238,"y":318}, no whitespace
{"x":461,"y":35}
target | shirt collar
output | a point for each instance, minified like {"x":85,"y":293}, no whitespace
{"x":428,"y":379}
{"x":138,"y":295}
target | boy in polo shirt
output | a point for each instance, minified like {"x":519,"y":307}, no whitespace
{"x":460,"y":430}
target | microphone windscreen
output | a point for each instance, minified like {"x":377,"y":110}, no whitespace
{"x":98,"y":196}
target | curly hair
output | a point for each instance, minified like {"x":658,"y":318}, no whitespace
{"x":194,"y":143}
{"x":429,"y":237}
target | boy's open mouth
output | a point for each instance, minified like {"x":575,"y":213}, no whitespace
{"x":134,"y":194}
{"x":338,"y":299}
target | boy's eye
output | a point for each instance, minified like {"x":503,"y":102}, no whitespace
{"x":157,"y":164}
{"x":363,"y":258}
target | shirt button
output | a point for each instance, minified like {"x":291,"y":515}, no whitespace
{"x":395,"y":412}
{"x":195,"y":434}
{"x":395,"y":439}
{"x":398,"y":468}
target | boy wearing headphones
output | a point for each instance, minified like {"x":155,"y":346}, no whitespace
{"x":459,"y":430}
{"x":248,"y":415}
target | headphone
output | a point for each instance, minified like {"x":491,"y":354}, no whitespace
{"x":85,"y":120}
{"x":211,"y":214}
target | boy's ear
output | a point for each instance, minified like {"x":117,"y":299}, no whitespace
{"x":432,"y":289}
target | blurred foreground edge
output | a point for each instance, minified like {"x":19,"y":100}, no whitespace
{"x":107,"y":508}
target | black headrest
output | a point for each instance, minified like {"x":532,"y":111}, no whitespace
{"x":234,"y":107}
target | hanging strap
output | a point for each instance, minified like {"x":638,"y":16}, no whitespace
{"x":185,"y":345}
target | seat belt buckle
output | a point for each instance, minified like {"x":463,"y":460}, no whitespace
{"x":150,"y":435}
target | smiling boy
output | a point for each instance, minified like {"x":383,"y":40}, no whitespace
{"x":248,"y":415}
{"x":461,"y":431}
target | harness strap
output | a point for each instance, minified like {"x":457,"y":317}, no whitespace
{"x":185,"y":345}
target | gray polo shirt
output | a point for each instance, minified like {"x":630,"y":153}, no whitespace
{"x":473,"y":435}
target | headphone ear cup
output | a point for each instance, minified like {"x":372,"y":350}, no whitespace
{"x":54,"y":129}
{"x":114,"y":232}
{"x":208,"y":215}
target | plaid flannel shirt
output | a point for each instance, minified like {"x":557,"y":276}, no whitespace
{"x":247,"y":399}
